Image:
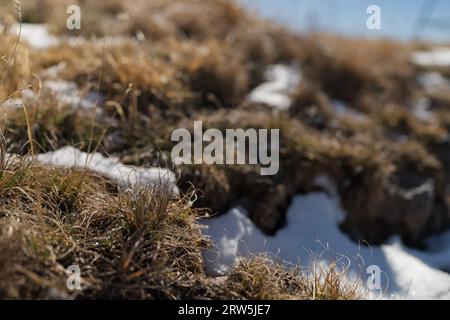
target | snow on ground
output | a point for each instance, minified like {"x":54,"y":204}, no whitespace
{"x":36,"y":35}
{"x":422,"y":109}
{"x":111,"y":168}
{"x":432,"y":81}
{"x":342,"y":109}
{"x":312,"y":236}
{"x":68,"y":92}
{"x":281,"y":81}
{"x":26,"y":95}
{"x":437,"y":57}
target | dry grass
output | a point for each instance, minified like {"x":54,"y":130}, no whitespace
{"x":141,"y":244}
{"x":156,"y":19}
{"x":50,"y":123}
{"x":263,"y":279}
{"x":399,"y":121}
{"x":15,"y":69}
{"x":361,"y":72}
{"x":312,"y":107}
{"x":172,"y":63}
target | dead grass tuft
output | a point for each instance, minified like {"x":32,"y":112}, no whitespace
{"x":358,"y":71}
{"x":262,"y":279}
{"x":141,"y":244}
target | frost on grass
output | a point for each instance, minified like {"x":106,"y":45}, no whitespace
{"x":281,"y":81}
{"x":111,"y":168}
{"x":312,"y":236}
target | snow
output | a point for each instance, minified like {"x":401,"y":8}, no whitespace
{"x":110,"y":168}
{"x":342,"y":109}
{"x":26,"y":95}
{"x":422,"y":109}
{"x":312,"y":236}
{"x":36,"y":35}
{"x":68,"y":92}
{"x":53,"y":71}
{"x":432,"y":81}
{"x":436,"y":57}
{"x":327,"y":185}
{"x":281,"y":81}
{"x":100,"y":42}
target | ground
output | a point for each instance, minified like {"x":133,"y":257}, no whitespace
{"x":371,"y":115}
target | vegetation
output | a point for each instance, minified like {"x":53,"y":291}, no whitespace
{"x":160,"y":65}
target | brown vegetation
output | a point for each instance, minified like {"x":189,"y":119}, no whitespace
{"x":197,"y":60}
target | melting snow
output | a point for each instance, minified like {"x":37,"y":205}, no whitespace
{"x":342,"y":109}
{"x":437,"y":57}
{"x":65,"y":91}
{"x":53,"y":71}
{"x":26,"y":95}
{"x":312,"y":236}
{"x":281,"y":81}
{"x":421,"y":109}
{"x":432,"y":81}
{"x":68,"y":92}
{"x":36,"y":35}
{"x":111,"y":168}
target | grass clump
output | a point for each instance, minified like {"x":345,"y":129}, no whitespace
{"x":358,"y":71}
{"x":50,"y":123}
{"x":139,"y":244}
{"x":262,"y":279}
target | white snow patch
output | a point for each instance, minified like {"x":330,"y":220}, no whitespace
{"x":313,"y":236}
{"x":432,"y":81}
{"x":26,"y":95}
{"x":36,"y":35}
{"x":65,"y":91}
{"x":68,"y":92}
{"x":342,"y":109}
{"x":421,"y":109}
{"x":100,"y":42}
{"x":53,"y":71}
{"x":437,"y":57}
{"x":111,"y":168}
{"x":281,"y":81}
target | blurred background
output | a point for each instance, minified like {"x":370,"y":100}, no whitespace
{"x":401,"y":19}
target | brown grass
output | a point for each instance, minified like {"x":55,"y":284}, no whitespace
{"x":194,"y":60}
{"x":140,"y":244}
{"x":358,"y":71}
{"x":263,"y":279}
